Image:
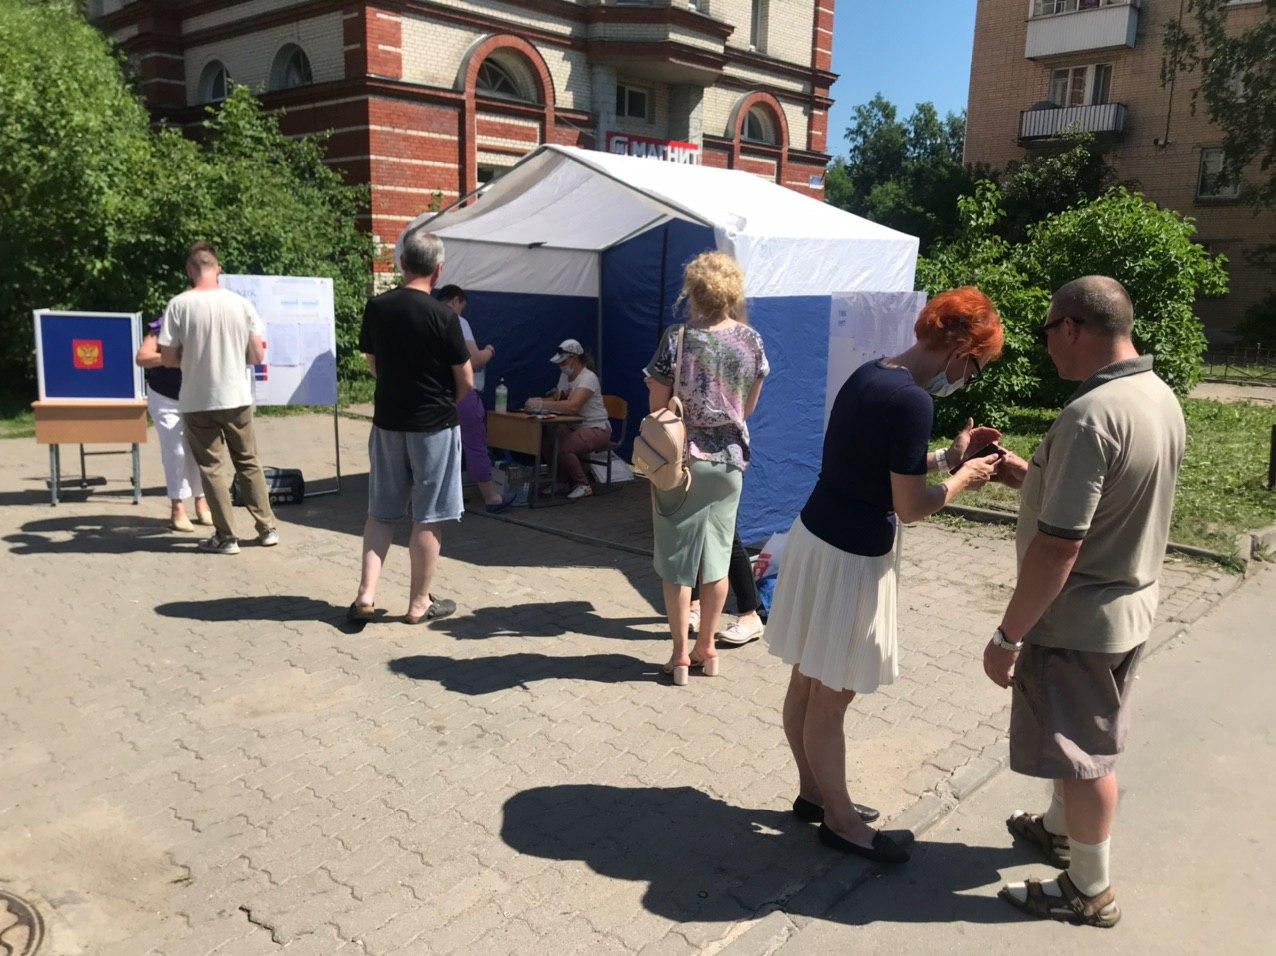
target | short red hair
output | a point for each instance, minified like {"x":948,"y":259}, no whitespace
{"x":963,"y":319}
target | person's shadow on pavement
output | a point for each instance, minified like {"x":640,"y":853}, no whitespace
{"x":487,"y":675}
{"x":266,"y":607}
{"x":547,"y":619}
{"x":705,"y":860}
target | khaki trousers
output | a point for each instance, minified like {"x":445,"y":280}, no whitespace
{"x":224,"y":446}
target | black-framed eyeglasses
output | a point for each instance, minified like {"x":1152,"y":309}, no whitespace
{"x":972,"y":379}
{"x":1044,"y":331}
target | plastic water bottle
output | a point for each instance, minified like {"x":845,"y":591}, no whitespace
{"x":502,"y":397}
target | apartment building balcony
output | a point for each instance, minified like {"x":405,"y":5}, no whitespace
{"x":658,"y":40}
{"x":1043,"y":123}
{"x":1060,"y":27}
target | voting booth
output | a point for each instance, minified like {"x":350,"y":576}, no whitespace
{"x":90,"y":389}
{"x":573,"y":243}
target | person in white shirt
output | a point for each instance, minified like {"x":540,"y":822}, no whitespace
{"x":473,"y":416}
{"x":578,"y":393}
{"x":213,"y":336}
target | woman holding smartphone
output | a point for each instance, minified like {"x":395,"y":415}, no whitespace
{"x":833,"y":617}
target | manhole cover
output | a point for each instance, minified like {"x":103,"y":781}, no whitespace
{"x":21,"y":928}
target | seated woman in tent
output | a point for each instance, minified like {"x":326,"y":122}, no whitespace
{"x":578,"y":392}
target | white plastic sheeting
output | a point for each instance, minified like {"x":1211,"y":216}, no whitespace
{"x":574,"y":200}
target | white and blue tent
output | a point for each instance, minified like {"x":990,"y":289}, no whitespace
{"x":572,"y":243}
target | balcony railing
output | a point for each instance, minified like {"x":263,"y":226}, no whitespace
{"x":1100,"y":119}
{"x":1049,"y":8}
{"x":1058,"y":27}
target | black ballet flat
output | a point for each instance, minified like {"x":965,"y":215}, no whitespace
{"x":883,"y":850}
{"x":809,"y":812}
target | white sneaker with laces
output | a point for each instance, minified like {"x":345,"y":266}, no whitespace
{"x":268,"y":538}
{"x":581,"y":491}
{"x":738,"y":632}
{"x":216,"y":545}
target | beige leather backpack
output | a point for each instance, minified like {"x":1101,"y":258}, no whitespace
{"x":660,"y":449}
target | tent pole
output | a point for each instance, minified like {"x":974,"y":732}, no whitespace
{"x":664,"y":264}
{"x":600,"y":316}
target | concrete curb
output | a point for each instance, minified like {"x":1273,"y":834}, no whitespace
{"x":1248,"y":543}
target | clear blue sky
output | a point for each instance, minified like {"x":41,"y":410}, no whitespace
{"x":908,"y":50}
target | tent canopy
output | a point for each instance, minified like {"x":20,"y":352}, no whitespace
{"x":566,"y":205}
{"x":588,"y":245}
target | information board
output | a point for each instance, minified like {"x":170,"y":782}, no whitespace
{"x":88,"y":356}
{"x":865,"y":326}
{"x":301,"y":338}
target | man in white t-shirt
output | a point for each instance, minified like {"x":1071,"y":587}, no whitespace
{"x":214,"y":336}
{"x":578,"y":393}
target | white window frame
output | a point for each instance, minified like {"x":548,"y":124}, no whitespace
{"x":283,"y":61}
{"x":1212,"y":156}
{"x":625,"y":88}
{"x":768,"y":124}
{"x":1091,"y":71}
{"x":759,"y":19}
{"x":1054,"y":8}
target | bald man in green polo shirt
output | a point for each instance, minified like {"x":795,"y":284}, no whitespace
{"x":1093,"y":525}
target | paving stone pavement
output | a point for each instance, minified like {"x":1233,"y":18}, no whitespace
{"x":201,"y":757}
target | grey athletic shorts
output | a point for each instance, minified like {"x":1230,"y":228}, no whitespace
{"x":1069,"y":711}
{"x":421,"y":467}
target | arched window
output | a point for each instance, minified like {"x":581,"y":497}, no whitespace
{"x":213,"y":82}
{"x":290,"y":69}
{"x":506,"y":79}
{"x":759,"y":127}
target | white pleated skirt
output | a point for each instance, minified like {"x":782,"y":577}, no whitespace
{"x":833,"y":614}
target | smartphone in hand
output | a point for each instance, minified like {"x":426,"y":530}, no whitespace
{"x":992,"y":448}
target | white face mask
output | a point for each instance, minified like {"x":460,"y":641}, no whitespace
{"x":940,"y":387}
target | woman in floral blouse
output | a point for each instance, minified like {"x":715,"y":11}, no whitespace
{"x":723,"y":365}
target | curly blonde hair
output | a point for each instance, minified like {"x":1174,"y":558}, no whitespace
{"x":714,"y":284}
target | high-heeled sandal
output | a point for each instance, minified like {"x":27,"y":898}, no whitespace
{"x":680,"y":673}
{"x":709,"y":665}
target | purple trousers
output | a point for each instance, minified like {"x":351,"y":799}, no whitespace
{"x":474,"y":437}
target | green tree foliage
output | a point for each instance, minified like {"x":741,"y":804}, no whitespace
{"x":97,"y":208}
{"x":1238,"y":83}
{"x":1121,"y":234}
{"x":906,"y":174}
{"x":1073,"y":174}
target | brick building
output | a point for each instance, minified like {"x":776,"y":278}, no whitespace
{"x":1040,"y":66}
{"x":430,"y":98}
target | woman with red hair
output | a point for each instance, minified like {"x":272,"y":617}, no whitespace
{"x":833,"y":618}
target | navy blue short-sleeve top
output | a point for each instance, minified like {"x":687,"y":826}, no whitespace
{"x":880,"y":423}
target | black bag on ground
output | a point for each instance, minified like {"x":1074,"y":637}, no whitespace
{"x":285,"y":485}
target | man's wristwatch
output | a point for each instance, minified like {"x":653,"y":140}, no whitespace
{"x":999,"y":640}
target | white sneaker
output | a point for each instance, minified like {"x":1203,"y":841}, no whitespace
{"x":581,"y":491}
{"x":737,"y":632}
{"x":693,"y":619}
{"x":268,"y":538}
{"x":216,"y":545}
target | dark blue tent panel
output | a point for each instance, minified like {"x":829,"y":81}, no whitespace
{"x":787,"y":430}
{"x":635,"y":309}
{"x":525,"y":330}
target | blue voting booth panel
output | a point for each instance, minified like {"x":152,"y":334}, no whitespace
{"x":85,"y":356}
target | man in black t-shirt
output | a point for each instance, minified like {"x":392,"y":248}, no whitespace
{"x":414,"y":347}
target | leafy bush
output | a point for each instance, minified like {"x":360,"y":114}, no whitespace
{"x":97,"y":208}
{"x":1150,"y":250}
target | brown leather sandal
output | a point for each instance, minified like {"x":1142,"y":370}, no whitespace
{"x":1030,"y":828}
{"x":1072,"y":907}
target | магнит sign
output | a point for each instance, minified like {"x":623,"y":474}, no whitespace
{"x":645,"y":147}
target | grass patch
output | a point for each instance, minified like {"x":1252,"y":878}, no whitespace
{"x":1222,"y":488}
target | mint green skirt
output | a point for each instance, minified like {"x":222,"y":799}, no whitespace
{"x":693,"y":543}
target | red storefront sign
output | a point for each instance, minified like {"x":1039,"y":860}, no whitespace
{"x":646,"y":147}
